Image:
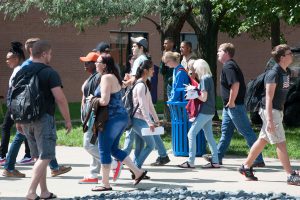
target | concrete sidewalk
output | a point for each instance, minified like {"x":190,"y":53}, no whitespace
{"x":271,"y":179}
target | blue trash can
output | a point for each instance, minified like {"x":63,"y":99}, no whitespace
{"x":180,"y":127}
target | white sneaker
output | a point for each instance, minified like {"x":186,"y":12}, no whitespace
{"x":26,"y":161}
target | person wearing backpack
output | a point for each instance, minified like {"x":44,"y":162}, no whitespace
{"x":14,"y":59}
{"x":145,"y":116}
{"x":234,"y":113}
{"x":204,"y":118}
{"x":9,"y":166}
{"x":41,"y":132}
{"x":139,"y":50}
{"x":277,"y":83}
{"x":180,"y":76}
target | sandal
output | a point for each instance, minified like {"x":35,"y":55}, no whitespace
{"x":140,"y":178}
{"x":186,"y":165}
{"x":210,"y":165}
{"x":133,"y":176}
{"x":101,"y":189}
{"x":51,"y":196}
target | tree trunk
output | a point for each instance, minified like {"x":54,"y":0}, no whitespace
{"x":207,"y":31}
{"x":275,"y":32}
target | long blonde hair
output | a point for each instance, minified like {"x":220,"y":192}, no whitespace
{"x":201,"y":69}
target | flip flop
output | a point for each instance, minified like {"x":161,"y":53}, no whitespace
{"x":210,"y":165}
{"x":186,"y":165}
{"x":51,"y":196}
{"x":101,"y":189}
{"x":140,"y":178}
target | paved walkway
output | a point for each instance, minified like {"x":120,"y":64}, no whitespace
{"x":271,"y":179}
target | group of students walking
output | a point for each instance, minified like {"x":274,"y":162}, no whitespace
{"x":105,"y":88}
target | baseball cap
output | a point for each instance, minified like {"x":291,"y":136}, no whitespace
{"x":92,"y":56}
{"x":103,"y":47}
{"x":140,"y":40}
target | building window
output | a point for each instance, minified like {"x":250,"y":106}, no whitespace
{"x":121,"y":46}
{"x":191,"y":37}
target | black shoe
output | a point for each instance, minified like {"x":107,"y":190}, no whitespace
{"x":294,"y":179}
{"x":208,"y":158}
{"x":261,"y":164}
{"x":161,"y":161}
{"x":248,"y":173}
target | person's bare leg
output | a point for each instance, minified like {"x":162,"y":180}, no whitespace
{"x":43,"y":185}
{"x":137,"y":172}
{"x":38,"y":171}
{"x":105,"y":175}
{"x":255,"y":150}
{"x":284,"y":157}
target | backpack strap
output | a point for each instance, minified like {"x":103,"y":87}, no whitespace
{"x":137,"y":106}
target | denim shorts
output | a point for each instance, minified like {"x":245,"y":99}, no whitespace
{"x":279,"y":135}
{"x":41,"y":136}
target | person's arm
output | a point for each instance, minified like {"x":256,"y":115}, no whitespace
{"x":270,"y":90}
{"x":62,"y":103}
{"x":105,"y":86}
{"x":234,"y":89}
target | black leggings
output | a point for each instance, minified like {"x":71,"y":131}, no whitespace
{"x":6,"y":126}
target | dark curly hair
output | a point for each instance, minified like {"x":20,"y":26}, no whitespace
{"x":16,"y":50}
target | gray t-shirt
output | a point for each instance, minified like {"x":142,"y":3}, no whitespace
{"x":207,"y":84}
{"x":282,"y":80}
{"x":137,"y":63}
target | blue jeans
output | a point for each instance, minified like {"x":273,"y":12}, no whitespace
{"x":14,"y":150}
{"x":204,"y":122}
{"x":141,"y":151}
{"x":236,"y":118}
{"x":130,"y":137}
{"x":109,"y":138}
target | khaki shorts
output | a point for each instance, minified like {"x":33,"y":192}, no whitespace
{"x":279,"y":135}
{"x":41,"y":136}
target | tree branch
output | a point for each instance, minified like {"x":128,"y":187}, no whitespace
{"x":158,"y":27}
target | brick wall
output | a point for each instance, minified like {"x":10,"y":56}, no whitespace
{"x":68,"y":45}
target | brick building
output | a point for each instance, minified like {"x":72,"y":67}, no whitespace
{"x":68,"y":45}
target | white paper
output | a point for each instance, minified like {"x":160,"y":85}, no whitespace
{"x":158,"y":131}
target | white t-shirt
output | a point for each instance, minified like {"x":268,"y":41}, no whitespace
{"x":137,"y":63}
{"x":16,"y":69}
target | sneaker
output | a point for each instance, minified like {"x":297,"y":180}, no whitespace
{"x":293,"y":179}
{"x":26,"y":161}
{"x":208,"y":158}
{"x":88,"y":181}
{"x":161,"y":161}
{"x":117,"y":170}
{"x":13,"y":173}
{"x":261,"y":164}
{"x":248,"y":173}
{"x":61,"y":170}
{"x":2,"y":161}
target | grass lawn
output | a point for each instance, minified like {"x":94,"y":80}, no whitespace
{"x":237,"y":147}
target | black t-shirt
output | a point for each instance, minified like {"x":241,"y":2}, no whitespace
{"x":231,"y":73}
{"x":91,"y":84}
{"x":282,"y":79}
{"x":48,"y":79}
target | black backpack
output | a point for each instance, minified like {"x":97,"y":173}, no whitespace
{"x":255,"y":91}
{"x":26,"y":98}
{"x":128,"y":103}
